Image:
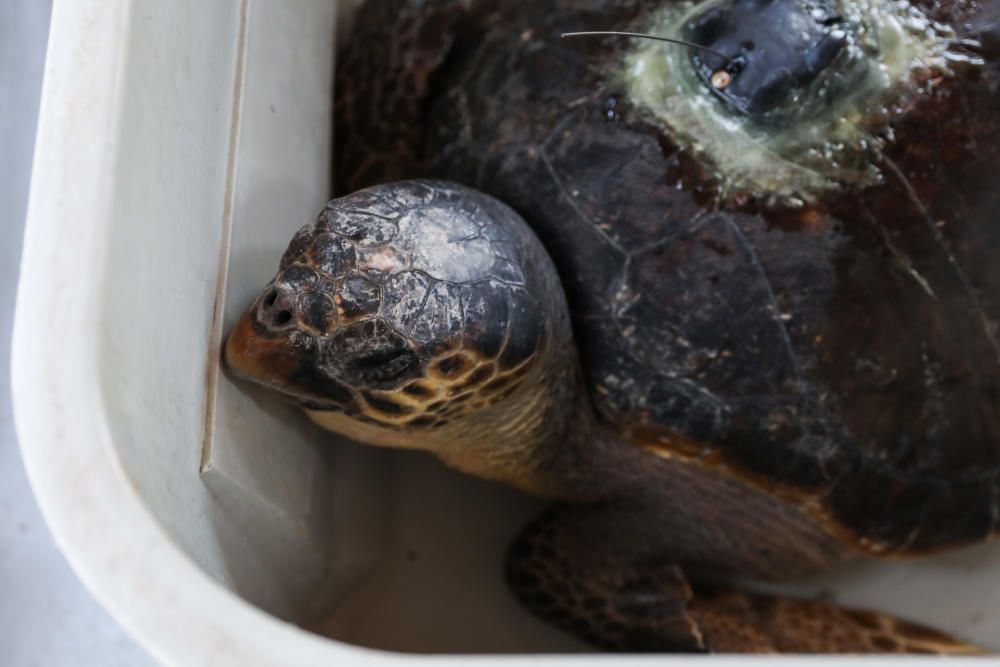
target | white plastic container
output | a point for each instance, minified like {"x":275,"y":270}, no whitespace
{"x":180,"y":144}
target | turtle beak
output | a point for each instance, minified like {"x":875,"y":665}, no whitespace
{"x":266,"y":359}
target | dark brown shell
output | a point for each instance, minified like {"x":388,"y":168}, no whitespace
{"x":847,"y":349}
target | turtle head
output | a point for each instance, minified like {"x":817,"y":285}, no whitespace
{"x":410,"y":315}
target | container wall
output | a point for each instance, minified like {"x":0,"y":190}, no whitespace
{"x":223,"y":153}
{"x":303,"y":486}
{"x":172,"y":148}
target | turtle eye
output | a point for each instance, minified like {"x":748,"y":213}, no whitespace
{"x":385,"y":366}
{"x":370,"y":355}
{"x":775,"y":50}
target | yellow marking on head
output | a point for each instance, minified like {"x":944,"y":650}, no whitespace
{"x":452,"y":366}
{"x":477,"y":377}
{"x":351,"y":427}
{"x":422,"y":390}
{"x":458,"y":383}
{"x":494,"y":426}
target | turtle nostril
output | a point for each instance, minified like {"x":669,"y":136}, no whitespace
{"x":277,"y":307}
{"x":748,"y":45}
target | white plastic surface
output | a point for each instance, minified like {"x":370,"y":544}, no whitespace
{"x":270,"y":471}
{"x":180,"y":144}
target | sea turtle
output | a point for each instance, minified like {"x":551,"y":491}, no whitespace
{"x":748,"y":329}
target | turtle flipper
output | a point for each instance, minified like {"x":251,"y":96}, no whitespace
{"x":736,"y":622}
{"x":559,"y":568}
{"x":384,"y":76}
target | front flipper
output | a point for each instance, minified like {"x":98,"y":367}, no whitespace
{"x":561,"y":569}
{"x":736,"y":622}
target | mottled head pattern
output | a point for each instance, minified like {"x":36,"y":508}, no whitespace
{"x":403,"y":307}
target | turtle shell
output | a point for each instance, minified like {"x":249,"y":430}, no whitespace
{"x":840,"y":347}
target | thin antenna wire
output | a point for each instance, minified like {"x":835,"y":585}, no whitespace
{"x":643,"y":36}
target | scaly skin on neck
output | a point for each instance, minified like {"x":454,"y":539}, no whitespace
{"x":543,"y":439}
